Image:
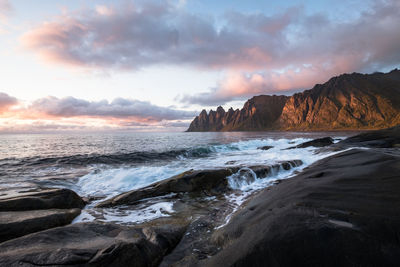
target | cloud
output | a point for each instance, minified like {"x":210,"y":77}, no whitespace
{"x":72,"y":114}
{"x":118,"y":108}
{"x":134,"y":37}
{"x":5,"y":9}
{"x":261,"y":53}
{"x":239,"y":85}
{"x":6,"y":102}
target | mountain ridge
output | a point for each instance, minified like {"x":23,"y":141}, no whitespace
{"x":345,"y":102}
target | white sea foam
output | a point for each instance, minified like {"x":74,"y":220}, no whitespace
{"x":109,"y":182}
{"x":85,"y":216}
{"x":154,"y":211}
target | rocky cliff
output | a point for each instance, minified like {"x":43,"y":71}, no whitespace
{"x":348,"y":101}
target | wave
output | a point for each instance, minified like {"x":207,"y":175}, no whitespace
{"x":140,"y":156}
{"x":109,"y":159}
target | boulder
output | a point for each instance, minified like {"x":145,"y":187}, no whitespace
{"x":14,"y":224}
{"x":38,"y":199}
{"x":196,"y":182}
{"x":92,"y":244}
{"x":212,"y":181}
{"x":319,"y":142}
{"x":265,"y":147}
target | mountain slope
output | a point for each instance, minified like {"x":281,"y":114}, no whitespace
{"x":348,"y":101}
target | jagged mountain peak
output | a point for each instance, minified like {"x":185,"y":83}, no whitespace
{"x":347,"y":101}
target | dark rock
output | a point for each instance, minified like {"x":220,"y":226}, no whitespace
{"x":193,"y":245}
{"x":212,"y":181}
{"x":388,"y":138}
{"x":320,"y":142}
{"x":264,"y":171}
{"x":92,"y":244}
{"x":196,"y":182}
{"x":14,"y":224}
{"x":349,"y":101}
{"x":341,"y":211}
{"x":37,"y":199}
{"x":265,"y":147}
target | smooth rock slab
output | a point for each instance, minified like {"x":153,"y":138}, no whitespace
{"x":14,"y":224}
{"x":92,"y":244}
{"x":320,"y":142}
{"x":343,"y":210}
{"x":195,"y":182}
{"x":387,"y":138}
{"x":213,"y":181}
{"x":38,"y":199}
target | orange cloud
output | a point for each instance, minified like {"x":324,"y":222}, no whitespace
{"x":51,"y":113}
{"x":6,"y":102}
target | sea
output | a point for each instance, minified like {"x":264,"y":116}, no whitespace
{"x":101,"y":165}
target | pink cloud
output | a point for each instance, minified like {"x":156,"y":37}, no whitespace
{"x":262,"y":53}
{"x":5,"y":9}
{"x":73,"y":114}
{"x":6,"y":102}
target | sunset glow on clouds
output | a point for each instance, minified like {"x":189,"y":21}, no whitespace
{"x":51,"y":113}
{"x":290,"y":48}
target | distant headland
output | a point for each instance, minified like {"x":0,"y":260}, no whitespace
{"x":346,"y":102}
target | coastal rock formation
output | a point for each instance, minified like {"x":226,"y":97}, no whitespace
{"x":319,"y":142}
{"x":38,"y":199}
{"x":28,"y":211}
{"x":387,"y":138}
{"x":92,"y":244}
{"x":187,"y":182}
{"x":349,"y":101}
{"x":14,"y":224}
{"x":194,"y":182}
{"x":265,"y":147}
{"x":341,"y":211}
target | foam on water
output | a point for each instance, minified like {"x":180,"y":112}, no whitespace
{"x":110,"y":182}
{"x":154,"y":211}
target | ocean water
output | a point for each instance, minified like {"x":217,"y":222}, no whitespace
{"x":102,"y":165}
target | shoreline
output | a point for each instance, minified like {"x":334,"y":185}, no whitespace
{"x":272,"y":224}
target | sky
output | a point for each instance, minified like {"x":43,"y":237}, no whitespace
{"x":87,"y":65}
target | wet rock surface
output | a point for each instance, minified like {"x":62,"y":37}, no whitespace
{"x":320,"y":142}
{"x":265,"y":147}
{"x":92,"y":244}
{"x":388,"y":138}
{"x":14,"y":224}
{"x":203,"y":182}
{"x":187,"y":182}
{"x":341,"y":211}
{"x":39,"y":198}
{"x":25,"y":211}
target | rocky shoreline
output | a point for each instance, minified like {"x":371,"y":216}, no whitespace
{"x":343,"y":210}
